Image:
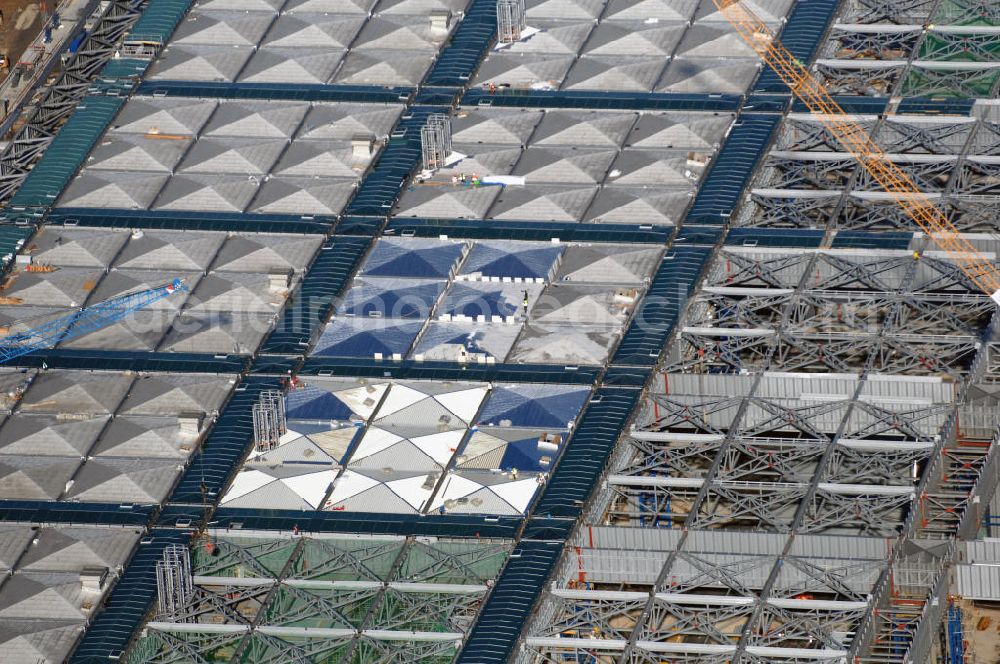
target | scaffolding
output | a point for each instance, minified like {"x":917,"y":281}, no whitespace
{"x":174,"y":583}
{"x":269,"y":423}
{"x":510,"y":21}
{"x":435,"y":140}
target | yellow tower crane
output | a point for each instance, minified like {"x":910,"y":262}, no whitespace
{"x":854,"y":139}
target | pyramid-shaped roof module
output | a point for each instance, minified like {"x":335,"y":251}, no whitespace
{"x":421,"y":7}
{"x":643,"y":10}
{"x":507,"y":449}
{"x":584,"y":304}
{"x":345,"y":121}
{"x":565,"y":165}
{"x":43,"y":595}
{"x":262,"y":253}
{"x":303,"y":195}
{"x":279,"y":487}
{"x":145,"y":436}
{"x":223,"y":28}
{"x":637,"y":167}
{"x":458,"y":202}
{"x":327,"y":399}
{"x":112,"y":480}
{"x":609,"y":263}
{"x":39,"y":640}
{"x":547,"y":202}
{"x":215,"y":193}
{"x":321,"y":158}
{"x":413,"y":257}
{"x":426,"y":407}
{"x":394,"y":492}
{"x":163,"y":250}
{"x":173,"y":394}
{"x":563,"y":9}
{"x":319,"y":402}
{"x":520,"y":70}
{"x":214,"y":332}
{"x":119,"y":282}
{"x":614,"y":72}
{"x":583,"y":128}
{"x":637,"y":38}
{"x":241,"y":5}
{"x":639,"y":205}
{"x":329,"y":6}
{"x":769,"y":11}
{"x":137,"y":152}
{"x":714,"y":40}
{"x":21,"y":319}
{"x":49,"y":435}
{"x":533,"y":406}
{"x":292,"y":64}
{"x":70,"y":549}
{"x":384,"y":67}
{"x":166,"y":115}
{"x":314,"y":30}
{"x":398,"y":33}
{"x":306,"y":443}
{"x":449,"y":342}
{"x":509,"y":258}
{"x":35,"y":478}
{"x":721,"y":75}
{"x":13,"y":540}
{"x":263,"y":119}
{"x":554,"y":37}
{"x":485,"y":492}
{"x":66,"y":287}
{"x":237,"y":292}
{"x":569,"y":344}
{"x":484,"y":160}
{"x":362,"y":337}
{"x":391,"y":297}
{"x":112,"y":189}
{"x":380,"y":449}
{"x":200,"y":62}
{"x":494,"y":125}
{"x":142,"y":330}
{"x":250,"y":156}
{"x":76,"y":392}
{"x":477,"y":299}
{"x":82,"y":247}
{"x":693,"y":131}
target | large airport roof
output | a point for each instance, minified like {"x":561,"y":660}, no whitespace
{"x":646,"y":368}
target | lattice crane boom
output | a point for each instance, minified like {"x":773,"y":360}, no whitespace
{"x":854,"y":139}
{"x":83,"y":321}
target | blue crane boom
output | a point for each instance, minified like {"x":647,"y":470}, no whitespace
{"x":83,"y":321}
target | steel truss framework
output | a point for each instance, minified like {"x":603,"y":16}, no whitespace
{"x":807,"y":393}
{"x":259,"y":597}
{"x":807,"y":183}
{"x":62,"y":97}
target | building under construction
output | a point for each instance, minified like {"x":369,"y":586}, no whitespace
{"x":533,"y":331}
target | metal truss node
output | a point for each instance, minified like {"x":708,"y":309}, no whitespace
{"x":510,"y":21}
{"x":435,"y":140}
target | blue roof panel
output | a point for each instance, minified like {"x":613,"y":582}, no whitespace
{"x":512,"y":259}
{"x":363,"y":337}
{"x":533,"y":406}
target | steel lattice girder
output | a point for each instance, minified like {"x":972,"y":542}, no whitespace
{"x":791,"y":208}
{"x":887,"y":11}
{"x":930,"y":173}
{"x":157,"y":646}
{"x":870,"y":78}
{"x":852,"y":463}
{"x":708,"y":618}
{"x":803,"y":133}
{"x":62,"y":97}
{"x":979,"y":176}
{"x":871,"y":513}
{"x":741,"y":574}
{"x":833,"y":578}
{"x":810,"y":625}
{"x":867,"y":44}
{"x":244,"y":557}
{"x":968,"y":81}
{"x":592,"y":614}
{"x":914,"y":137}
{"x":809,"y":170}
{"x":757,"y":505}
{"x":684,"y":458}
{"x":341,"y":607}
{"x":756,"y":268}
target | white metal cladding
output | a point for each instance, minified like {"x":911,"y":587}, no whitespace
{"x":978,"y":582}
{"x":926,"y":389}
{"x":854,"y":548}
{"x":628,"y":539}
{"x":808,"y":387}
{"x":983,"y":551}
{"x":735,"y":542}
{"x":704,"y":384}
{"x":617,"y":566}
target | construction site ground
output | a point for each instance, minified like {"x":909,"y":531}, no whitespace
{"x":22,"y":19}
{"x":981,"y":624}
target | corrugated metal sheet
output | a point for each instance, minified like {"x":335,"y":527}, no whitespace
{"x":735,"y":542}
{"x":854,"y":548}
{"x":630,"y":539}
{"x":983,"y":551}
{"x":978,"y":582}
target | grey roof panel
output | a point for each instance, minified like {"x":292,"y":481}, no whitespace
{"x":200,"y":62}
{"x":292,"y":65}
{"x":303,"y":195}
{"x":80,"y":247}
{"x":49,"y":435}
{"x":164,"y":115}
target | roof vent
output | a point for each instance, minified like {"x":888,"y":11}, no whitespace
{"x":440,"y":20}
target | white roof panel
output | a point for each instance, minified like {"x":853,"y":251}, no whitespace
{"x":199,"y":62}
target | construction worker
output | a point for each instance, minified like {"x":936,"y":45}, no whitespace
{"x":525,"y":303}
